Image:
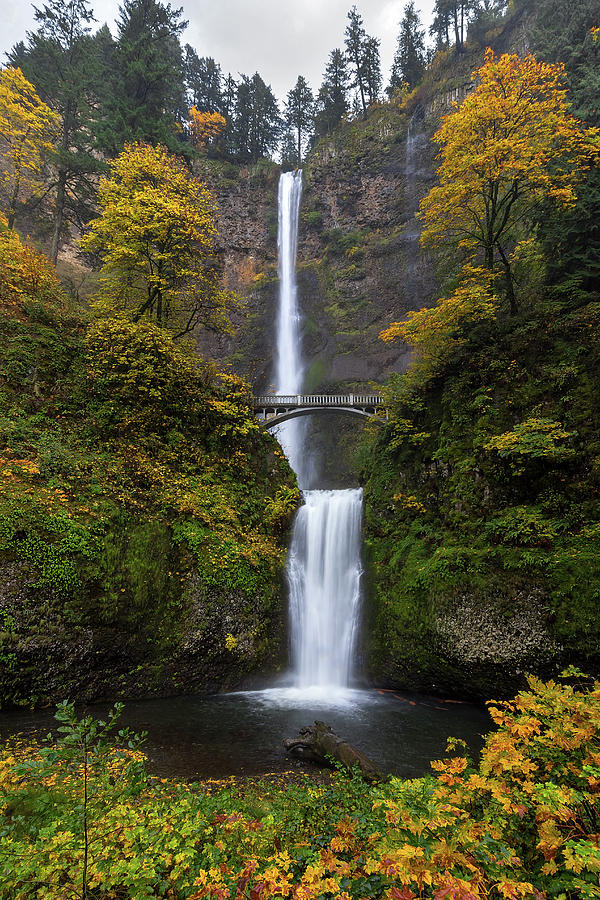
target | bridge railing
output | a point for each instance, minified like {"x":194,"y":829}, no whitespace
{"x":274,"y":400}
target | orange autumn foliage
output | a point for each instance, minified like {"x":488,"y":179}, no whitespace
{"x":205,"y":127}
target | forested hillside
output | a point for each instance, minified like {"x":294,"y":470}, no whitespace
{"x":482,"y":490}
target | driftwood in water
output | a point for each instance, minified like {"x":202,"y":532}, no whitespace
{"x":319,"y":744}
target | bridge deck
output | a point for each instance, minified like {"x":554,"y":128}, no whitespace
{"x":273,"y":409}
{"x":274,"y":401}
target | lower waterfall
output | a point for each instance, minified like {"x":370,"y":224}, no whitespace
{"x":324,"y":573}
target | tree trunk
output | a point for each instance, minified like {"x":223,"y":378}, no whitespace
{"x":60,"y":210}
{"x":319,"y":744}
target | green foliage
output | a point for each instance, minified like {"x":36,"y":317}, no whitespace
{"x":81,"y":815}
{"x":135,"y":482}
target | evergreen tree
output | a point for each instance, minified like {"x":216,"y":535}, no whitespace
{"x":372,"y":69}
{"x":452,"y":17}
{"x":356,"y":39}
{"x":485,"y":14}
{"x":289,"y":151}
{"x":60,"y":59}
{"x":148,"y":85}
{"x":256,"y":124}
{"x":299,"y":115}
{"x":562,"y":34}
{"x":332,"y":99}
{"x":440,"y":27}
{"x":409,"y":61}
{"x":203,"y":82}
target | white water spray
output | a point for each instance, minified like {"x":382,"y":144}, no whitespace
{"x":324,"y":567}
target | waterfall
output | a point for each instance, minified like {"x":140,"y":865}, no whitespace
{"x":324,"y":566}
{"x":289,"y":371}
{"x":324,"y":572}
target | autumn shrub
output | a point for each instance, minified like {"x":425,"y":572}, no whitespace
{"x":82,"y":819}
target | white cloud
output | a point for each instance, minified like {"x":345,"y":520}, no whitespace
{"x":281,"y":39}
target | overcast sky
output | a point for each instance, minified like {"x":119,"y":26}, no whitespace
{"x":281,"y":39}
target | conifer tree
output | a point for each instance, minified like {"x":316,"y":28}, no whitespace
{"x":148,"y":85}
{"x":203,"y":81}
{"x":256,"y":121}
{"x":409,"y":61}
{"x":60,"y":60}
{"x":299,"y":115}
{"x":356,"y":39}
{"x":372,"y":69}
{"x":332,"y":99}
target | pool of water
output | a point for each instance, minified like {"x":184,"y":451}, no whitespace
{"x":242,"y":733}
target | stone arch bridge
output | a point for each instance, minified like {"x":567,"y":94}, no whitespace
{"x":273,"y":409}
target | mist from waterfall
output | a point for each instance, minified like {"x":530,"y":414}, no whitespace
{"x":324,"y":565}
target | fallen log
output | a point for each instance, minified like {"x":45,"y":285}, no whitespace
{"x":320,"y":744}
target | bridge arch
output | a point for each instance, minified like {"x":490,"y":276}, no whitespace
{"x":278,"y":418}
{"x":274,"y":409}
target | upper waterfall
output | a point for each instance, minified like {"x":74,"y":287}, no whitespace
{"x":289,"y":368}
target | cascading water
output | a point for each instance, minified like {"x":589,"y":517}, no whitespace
{"x":289,"y":371}
{"x":324,"y":568}
{"x":324,"y":572}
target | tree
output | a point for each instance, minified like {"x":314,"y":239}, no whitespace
{"x":452,"y":15}
{"x":332,"y":99}
{"x":148,"y":86}
{"x":409,"y":61}
{"x":256,"y":120}
{"x":372,"y":69}
{"x":510,"y":145}
{"x":156,"y":235}
{"x":61,"y":62}
{"x":356,"y":38}
{"x":299,"y":115}
{"x":203,"y":81}
{"x":27,"y":125}
{"x":440,"y":26}
{"x":205,"y":127}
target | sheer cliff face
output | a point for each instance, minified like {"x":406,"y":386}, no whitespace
{"x":360,"y":263}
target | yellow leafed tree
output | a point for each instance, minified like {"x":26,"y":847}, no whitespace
{"x":27,"y":126}
{"x":205,"y":127}
{"x":156,"y":238}
{"x":509,"y":145}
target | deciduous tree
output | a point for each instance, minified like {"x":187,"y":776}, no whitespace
{"x":205,"y":127}
{"x":156,"y":235}
{"x":511,"y":144}
{"x":27,"y":126}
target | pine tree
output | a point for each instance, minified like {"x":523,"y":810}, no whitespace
{"x":409,"y":61}
{"x":256,"y":124}
{"x":148,"y":86}
{"x":356,"y":38}
{"x":203,"y":82}
{"x":332,"y":99}
{"x":372,"y":69}
{"x":299,"y":114}
{"x":60,"y":60}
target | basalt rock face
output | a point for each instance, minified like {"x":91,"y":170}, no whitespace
{"x":360,"y":265}
{"x":224,"y":638}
